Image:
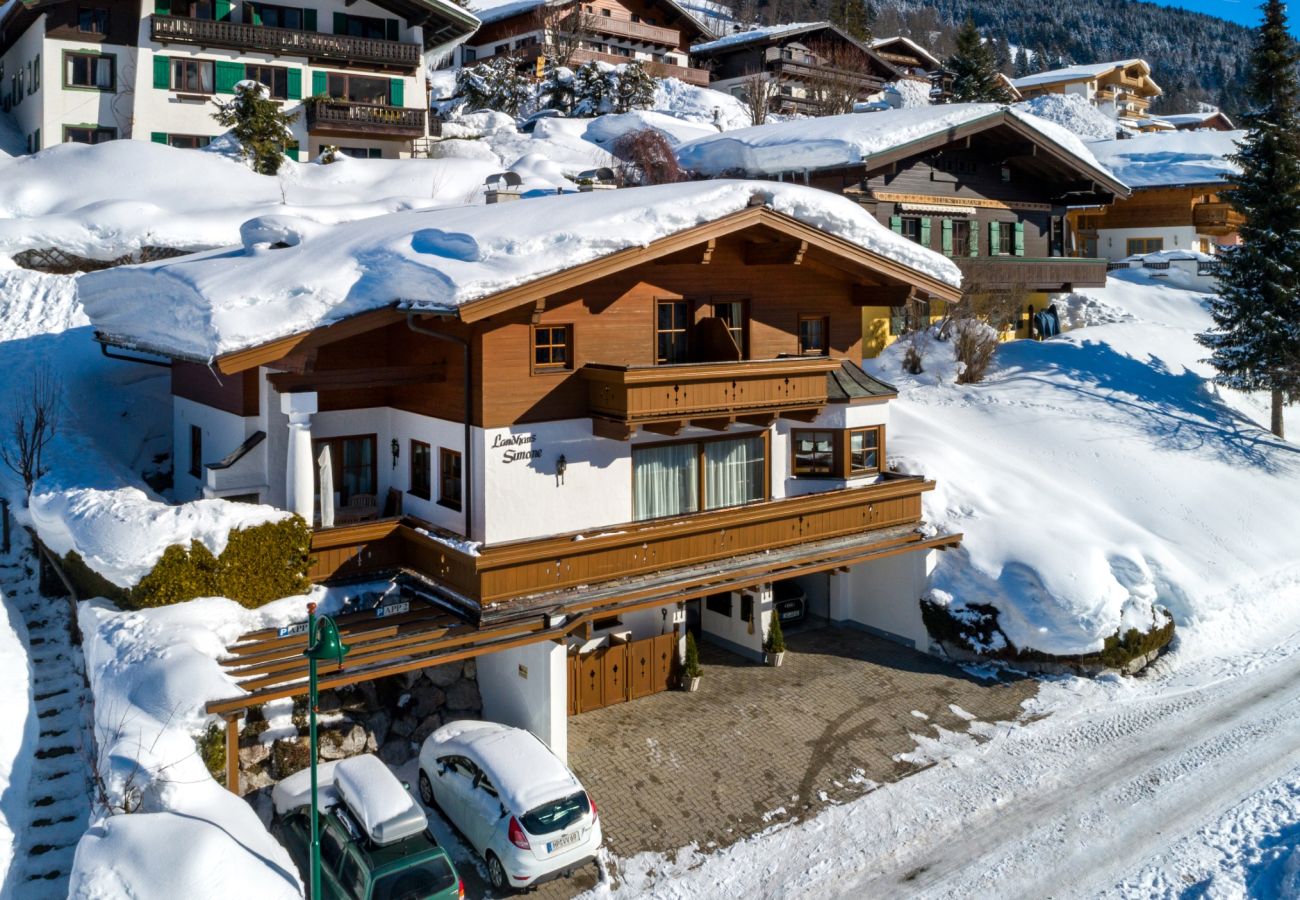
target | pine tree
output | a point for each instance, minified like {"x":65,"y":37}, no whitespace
{"x":591,"y":89}
{"x":556,"y":88}
{"x":1023,"y":67}
{"x":257,"y":122}
{"x":634,"y":88}
{"x":974,"y":70}
{"x":853,"y":17}
{"x":1255,"y":344}
{"x":494,"y":84}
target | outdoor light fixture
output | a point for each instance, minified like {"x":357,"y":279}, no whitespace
{"x":561,"y":465}
{"x":397,"y":451}
{"x":323,"y":643}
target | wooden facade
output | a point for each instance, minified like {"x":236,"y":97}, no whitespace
{"x":1200,"y":208}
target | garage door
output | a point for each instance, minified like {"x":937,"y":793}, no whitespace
{"x":621,"y":672}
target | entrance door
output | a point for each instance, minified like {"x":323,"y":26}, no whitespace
{"x":622,"y":672}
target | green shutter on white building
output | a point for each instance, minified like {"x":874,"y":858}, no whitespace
{"x":162,"y":72}
{"x":896,"y":223}
{"x":320,"y":84}
{"x":925,"y":232}
{"x":228,"y":75}
{"x":396,"y":91}
{"x":995,"y":238}
{"x":158,"y":137}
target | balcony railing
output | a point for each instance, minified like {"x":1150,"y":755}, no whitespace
{"x":509,"y":571}
{"x":1058,"y":273}
{"x":815,"y":72}
{"x":634,"y":31}
{"x":285,"y":42}
{"x":638,"y":395}
{"x":340,"y":117}
{"x":1216,"y":218}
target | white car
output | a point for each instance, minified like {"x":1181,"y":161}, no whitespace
{"x":513,"y":800}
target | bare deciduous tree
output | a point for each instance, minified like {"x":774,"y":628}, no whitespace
{"x":647,"y":158}
{"x":758,"y":93}
{"x":842,"y":77}
{"x":564,"y":28}
{"x":37,"y":404}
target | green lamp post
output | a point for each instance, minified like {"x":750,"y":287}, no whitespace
{"x":323,"y":643}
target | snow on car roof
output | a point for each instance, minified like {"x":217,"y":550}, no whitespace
{"x":292,"y":277}
{"x":295,"y":790}
{"x":382,"y":805}
{"x":524,"y":771}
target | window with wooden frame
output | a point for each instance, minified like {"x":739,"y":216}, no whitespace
{"x":956,"y":240}
{"x":910,"y":228}
{"x":734,"y":316}
{"x":1143,"y":246}
{"x":353,"y":460}
{"x":421,"y":470}
{"x":814,"y":335}
{"x":719,"y":604}
{"x":88,"y":134}
{"x":92,"y":20}
{"x":686,"y":477}
{"x":552,"y":348}
{"x":837,"y":452}
{"x":449,"y":489}
{"x":188,"y":141}
{"x":863,"y":450}
{"x":274,"y":78}
{"x":813,"y":452}
{"x":90,"y":71}
{"x":196,"y":451}
{"x":194,"y":76}
{"x":672,"y":332}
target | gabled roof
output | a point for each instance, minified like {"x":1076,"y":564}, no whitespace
{"x":1071,"y":74}
{"x":467,"y":261}
{"x":488,"y":11}
{"x":878,"y":138}
{"x":883,"y":45}
{"x":1217,"y":120}
{"x":775,"y":33}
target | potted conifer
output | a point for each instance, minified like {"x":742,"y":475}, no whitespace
{"x":691,"y":670}
{"x":775,"y":643}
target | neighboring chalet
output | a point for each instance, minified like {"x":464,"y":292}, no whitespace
{"x":571,"y":431}
{"x":907,"y":55}
{"x":98,"y":71}
{"x":1211,"y":120}
{"x":1124,"y":90}
{"x":802,"y":64}
{"x":985,"y":185}
{"x":1177,"y":179}
{"x":658,"y":33}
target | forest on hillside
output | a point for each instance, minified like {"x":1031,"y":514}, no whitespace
{"x":1195,"y":57}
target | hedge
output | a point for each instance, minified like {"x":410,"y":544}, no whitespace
{"x":260,"y":564}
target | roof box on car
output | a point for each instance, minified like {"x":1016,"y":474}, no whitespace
{"x":382,"y":806}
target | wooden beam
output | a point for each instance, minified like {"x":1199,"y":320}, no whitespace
{"x":717,"y":423}
{"x":802,"y":415}
{"x":761,"y":420}
{"x":668,"y":429}
{"x":608,"y":428}
{"x":239,"y":360}
{"x":539,"y":307}
{"x":777,"y":253}
{"x":700,"y":255}
{"x":232,"y":754}
{"x":356,"y":379}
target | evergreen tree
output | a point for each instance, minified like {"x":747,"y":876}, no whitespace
{"x":591,"y":89}
{"x":494,"y":84}
{"x":634,"y":88}
{"x":556,"y":88}
{"x":257,"y":122}
{"x":974,"y":70}
{"x":1255,"y":344}
{"x":1023,"y":67}
{"x":853,"y":17}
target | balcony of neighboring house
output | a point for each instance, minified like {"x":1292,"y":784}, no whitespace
{"x":340,"y":49}
{"x":1058,"y":273}
{"x":1217,"y":218}
{"x":803,"y":67}
{"x":700,"y":552}
{"x":344,"y":118}
{"x":697,"y":77}
{"x":634,"y":31}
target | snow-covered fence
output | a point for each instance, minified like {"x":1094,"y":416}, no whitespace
{"x":54,"y":261}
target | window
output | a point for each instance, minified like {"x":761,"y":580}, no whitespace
{"x":362,"y":27}
{"x":331,"y":849}
{"x":421,"y":469}
{"x":276,"y":79}
{"x":911,"y":228}
{"x":551,"y":347}
{"x":449,"y":478}
{"x":1143,"y":246}
{"x":960,"y":238}
{"x":814,"y":452}
{"x":719,"y":604}
{"x":188,"y":141}
{"x":195,"y":76}
{"x":362,"y":152}
{"x":469,"y":54}
{"x":359,"y":88}
{"x":88,"y":134}
{"x":351,"y":879}
{"x":36,"y":74}
{"x":92,"y":20}
{"x":273,"y":16}
{"x":352,"y":460}
{"x":500,"y":49}
{"x":1006,"y":239}
{"x":678,"y":479}
{"x":196,"y":451}
{"x":529,"y":41}
{"x":864,"y":451}
{"x":732,"y":314}
{"x":672,"y":332}
{"x":197,"y":9}
{"x":814,"y":335}
{"x":89,"y":70}
{"x":898,"y":320}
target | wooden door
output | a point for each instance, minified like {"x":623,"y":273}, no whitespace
{"x":591,"y":683}
{"x":664,"y":652}
{"x":614,"y":670}
{"x":641,"y":660}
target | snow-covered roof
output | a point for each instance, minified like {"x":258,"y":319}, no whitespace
{"x":488,"y":11}
{"x":911,"y":45}
{"x":213,"y":303}
{"x":764,"y":33}
{"x":1191,"y":120}
{"x":524,"y":771}
{"x":1080,"y":73}
{"x":1171,"y":159}
{"x":853,"y":139}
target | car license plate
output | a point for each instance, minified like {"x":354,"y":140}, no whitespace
{"x":560,"y":843}
{"x":792,"y":614}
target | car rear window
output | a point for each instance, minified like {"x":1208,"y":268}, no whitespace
{"x":556,"y":815}
{"x":433,"y":876}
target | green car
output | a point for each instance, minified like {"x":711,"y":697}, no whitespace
{"x":374,"y":839}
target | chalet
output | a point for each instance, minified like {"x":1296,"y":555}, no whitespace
{"x":658,"y":33}
{"x":1176,"y":204}
{"x":1211,"y":120}
{"x":803,"y":66}
{"x":1123,"y":90}
{"x":108,"y":69}
{"x":907,"y":55}
{"x":572,"y":438}
{"x":985,"y":185}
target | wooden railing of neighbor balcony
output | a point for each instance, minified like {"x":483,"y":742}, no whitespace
{"x":285,"y":42}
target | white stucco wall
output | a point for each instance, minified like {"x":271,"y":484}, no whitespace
{"x":528,"y":687}
{"x":884,"y":596}
{"x":28,"y":115}
{"x":222,"y":433}
{"x":1112,"y":243}
{"x":733,"y":632}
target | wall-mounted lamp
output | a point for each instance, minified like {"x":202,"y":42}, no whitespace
{"x":561,"y":465}
{"x":397,"y":451}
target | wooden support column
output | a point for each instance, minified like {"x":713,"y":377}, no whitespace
{"x":232,"y":754}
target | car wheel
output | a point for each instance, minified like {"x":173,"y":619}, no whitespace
{"x":497,"y":873}
{"x":426,"y":793}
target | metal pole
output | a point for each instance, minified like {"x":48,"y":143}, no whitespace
{"x":311,"y":717}
{"x":4,"y":526}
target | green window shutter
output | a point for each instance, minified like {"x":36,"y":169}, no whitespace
{"x":395,"y":91}
{"x":1020,"y":239}
{"x":392,"y":29}
{"x":223,"y":10}
{"x":947,"y":236}
{"x":158,"y":137}
{"x":995,"y":238}
{"x":925,"y":232}
{"x":295,"y":84}
{"x":162,"y":7}
{"x":896,"y":223}
{"x":251,"y":14}
{"x":974,"y":238}
{"x":293,"y":153}
{"x":162,"y":72}
{"x":320,"y":84}
{"x":229,"y":74}
{"x":309,"y":20}
{"x":340,"y":23}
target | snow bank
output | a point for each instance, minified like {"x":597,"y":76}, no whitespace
{"x":703,"y":105}
{"x":18,"y":738}
{"x":1096,"y":475}
{"x":606,"y":130}
{"x":1073,"y":113}
{"x":1171,"y":158}
{"x":217,"y":302}
{"x":121,"y":533}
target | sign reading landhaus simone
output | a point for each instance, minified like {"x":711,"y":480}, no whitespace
{"x":509,"y":442}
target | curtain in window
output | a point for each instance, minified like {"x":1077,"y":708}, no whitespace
{"x":358,"y":462}
{"x":665,"y":481}
{"x":733,"y":472}
{"x":104,"y":73}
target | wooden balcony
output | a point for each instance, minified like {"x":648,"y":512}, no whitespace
{"x":1216,"y":218}
{"x":343,"y":119}
{"x":338,"y":48}
{"x":697,"y":77}
{"x":510,"y":572}
{"x":629,"y":397}
{"x":634,"y":31}
{"x":1052,"y":274}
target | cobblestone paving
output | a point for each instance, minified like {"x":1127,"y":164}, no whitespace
{"x":757,"y":745}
